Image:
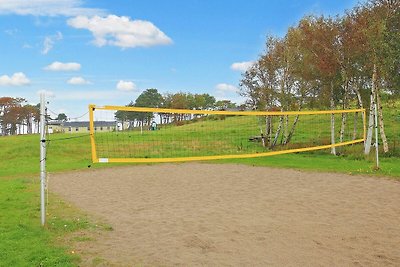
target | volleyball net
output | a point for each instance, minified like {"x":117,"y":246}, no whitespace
{"x":136,"y":134}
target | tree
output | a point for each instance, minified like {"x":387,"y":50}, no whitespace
{"x":224,"y":105}
{"x":376,"y":24}
{"x":179,"y":101}
{"x":326,"y":62}
{"x":122,"y":117}
{"x":29,"y":114}
{"x":62,"y":117}
{"x":10,"y":114}
{"x":150,"y":98}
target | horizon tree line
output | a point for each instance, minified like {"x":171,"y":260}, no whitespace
{"x":17,"y":117}
{"x":151,"y":98}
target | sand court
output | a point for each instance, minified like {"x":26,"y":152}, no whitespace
{"x":201,"y":214}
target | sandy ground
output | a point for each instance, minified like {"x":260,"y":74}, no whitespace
{"x":197,"y":214}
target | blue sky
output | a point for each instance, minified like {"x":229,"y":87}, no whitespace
{"x":108,"y":52}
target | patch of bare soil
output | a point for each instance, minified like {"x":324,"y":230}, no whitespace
{"x":196,"y":214}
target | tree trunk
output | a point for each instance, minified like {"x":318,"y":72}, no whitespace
{"x":344,"y":115}
{"x":29,"y":125}
{"x":267,"y":129}
{"x":271,"y":129}
{"x":368,"y":141}
{"x":371,"y":113}
{"x":359,"y":99}
{"x":360,"y":105}
{"x":381,"y":125}
{"x":285,"y":130}
{"x":277,"y":133}
{"x":291,"y":132}
{"x":355,"y":126}
{"x":3,"y":129}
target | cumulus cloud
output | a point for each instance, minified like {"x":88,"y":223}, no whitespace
{"x":49,"y":42}
{"x":242,"y":66}
{"x":17,"y":79}
{"x":226,"y":91}
{"x":126,"y":86}
{"x":78,"y":81}
{"x":224,"y":87}
{"x":121,"y":31}
{"x":59,"y":66}
{"x":67,"y":8}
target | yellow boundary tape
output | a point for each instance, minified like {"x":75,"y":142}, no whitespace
{"x":95,"y":159}
{"x":215,"y":112}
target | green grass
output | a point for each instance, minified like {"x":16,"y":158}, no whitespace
{"x":325,"y":162}
{"x":23,"y":242}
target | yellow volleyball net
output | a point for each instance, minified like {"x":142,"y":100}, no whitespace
{"x":136,"y":134}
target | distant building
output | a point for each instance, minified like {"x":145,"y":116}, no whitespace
{"x":55,"y":127}
{"x":83,"y":126}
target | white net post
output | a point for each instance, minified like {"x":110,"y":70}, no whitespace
{"x":42,"y":158}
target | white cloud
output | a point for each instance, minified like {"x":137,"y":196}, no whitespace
{"x":121,"y":31}
{"x":78,"y":81}
{"x":126,"y":86}
{"x":17,"y":79}
{"x":224,"y":87}
{"x":67,"y":8}
{"x":49,"y":41}
{"x":226,"y":91}
{"x":242,"y":66}
{"x":59,"y":66}
{"x":47,"y":93}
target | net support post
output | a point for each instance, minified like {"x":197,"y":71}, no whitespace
{"x":91,"y":130}
{"x":42,"y":158}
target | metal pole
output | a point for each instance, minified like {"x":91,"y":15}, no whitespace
{"x":376,"y":137}
{"x":42,"y":157}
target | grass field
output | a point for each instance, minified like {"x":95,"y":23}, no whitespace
{"x":25,"y":243}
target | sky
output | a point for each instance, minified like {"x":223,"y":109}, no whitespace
{"x":102,"y":52}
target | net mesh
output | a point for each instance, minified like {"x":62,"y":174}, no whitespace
{"x":166,"y":135}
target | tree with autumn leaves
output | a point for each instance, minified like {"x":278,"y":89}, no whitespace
{"x":332,"y":63}
{"x":153,"y":99}
{"x":16,"y":116}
